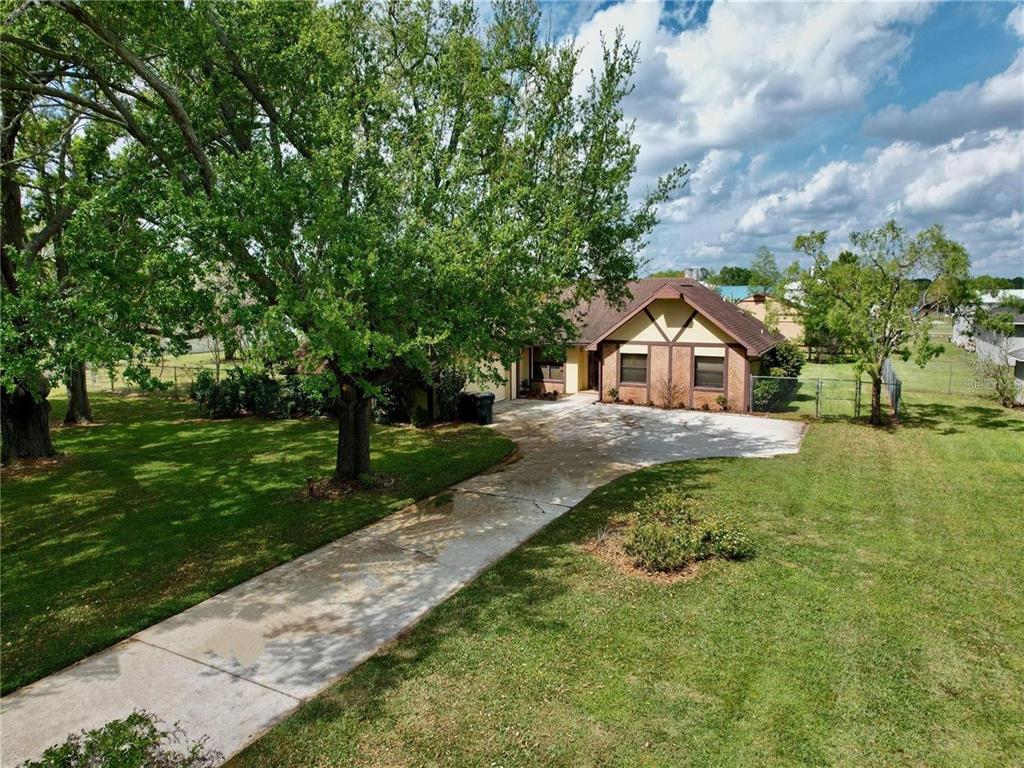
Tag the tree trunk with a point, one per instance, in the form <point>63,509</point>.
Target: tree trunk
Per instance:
<point>79,410</point>
<point>876,400</point>
<point>353,435</point>
<point>25,422</point>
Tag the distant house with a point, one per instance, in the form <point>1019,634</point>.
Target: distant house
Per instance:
<point>733,292</point>
<point>780,314</point>
<point>675,343</point>
<point>1008,350</point>
<point>963,327</point>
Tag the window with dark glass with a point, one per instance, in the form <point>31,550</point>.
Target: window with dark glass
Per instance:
<point>709,372</point>
<point>632,368</point>
<point>548,365</point>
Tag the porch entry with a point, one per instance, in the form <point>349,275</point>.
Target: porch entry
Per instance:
<point>593,373</point>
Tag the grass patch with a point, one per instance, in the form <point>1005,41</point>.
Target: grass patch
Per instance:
<point>155,510</point>
<point>881,623</point>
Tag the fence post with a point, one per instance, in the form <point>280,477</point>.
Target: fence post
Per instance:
<point>856,401</point>
<point>817,400</point>
<point>176,395</point>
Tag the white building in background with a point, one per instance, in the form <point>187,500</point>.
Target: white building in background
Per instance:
<point>963,327</point>
<point>996,347</point>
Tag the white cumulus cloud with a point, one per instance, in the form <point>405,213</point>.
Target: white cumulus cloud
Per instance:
<point>735,96</point>
<point>996,102</point>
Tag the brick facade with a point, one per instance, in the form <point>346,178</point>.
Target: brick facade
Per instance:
<point>671,378</point>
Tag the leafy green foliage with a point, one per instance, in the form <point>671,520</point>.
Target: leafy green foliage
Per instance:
<point>1003,379</point>
<point>784,359</point>
<point>385,185</point>
<point>733,276</point>
<point>243,392</point>
<point>449,388</point>
<point>138,741</point>
<point>673,529</point>
<point>771,394</point>
<point>765,275</point>
<point>868,299</point>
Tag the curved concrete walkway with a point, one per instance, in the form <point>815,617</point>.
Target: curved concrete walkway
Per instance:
<point>234,665</point>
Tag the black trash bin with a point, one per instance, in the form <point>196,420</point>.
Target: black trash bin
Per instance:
<point>478,407</point>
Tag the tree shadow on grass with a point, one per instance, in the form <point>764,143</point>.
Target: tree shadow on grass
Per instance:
<point>516,592</point>
<point>156,512</point>
<point>950,419</point>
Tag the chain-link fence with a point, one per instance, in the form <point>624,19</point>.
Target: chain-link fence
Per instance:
<point>808,396</point>
<point>892,384</point>
<point>175,380</point>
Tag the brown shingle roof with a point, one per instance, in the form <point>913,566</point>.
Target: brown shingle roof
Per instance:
<point>600,317</point>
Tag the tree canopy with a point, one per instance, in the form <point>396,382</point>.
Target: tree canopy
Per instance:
<point>868,298</point>
<point>379,186</point>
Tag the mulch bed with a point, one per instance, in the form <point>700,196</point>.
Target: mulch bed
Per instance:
<point>607,547</point>
<point>326,489</point>
<point>29,467</point>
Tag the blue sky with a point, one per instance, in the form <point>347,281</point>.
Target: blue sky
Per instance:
<point>795,116</point>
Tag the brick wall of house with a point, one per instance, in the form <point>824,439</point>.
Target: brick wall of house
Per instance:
<point>547,387</point>
<point>661,394</point>
<point>610,369</point>
<point>682,375</point>
<point>671,385</point>
<point>736,384</point>
<point>706,400</point>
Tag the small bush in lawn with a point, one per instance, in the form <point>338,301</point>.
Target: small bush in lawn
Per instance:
<point>655,545</point>
<point>137,741</point>
<point>721,537</point>
<point>667,505</point>
<point>673,529</point>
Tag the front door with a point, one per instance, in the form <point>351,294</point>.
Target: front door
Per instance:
<point>592,372</point>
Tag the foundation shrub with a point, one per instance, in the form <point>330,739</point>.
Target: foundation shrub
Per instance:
<point>243,392</point>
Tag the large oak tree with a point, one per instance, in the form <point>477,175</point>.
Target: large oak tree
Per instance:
<point>84,277</point>
<point>382,186</point>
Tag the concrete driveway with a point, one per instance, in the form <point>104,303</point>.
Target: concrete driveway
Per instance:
<point>232,666</point>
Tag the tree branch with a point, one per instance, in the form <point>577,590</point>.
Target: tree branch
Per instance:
<point>143,70</point>
<point>62,95</point>
<point>53,227</point>
<point>253,87</point>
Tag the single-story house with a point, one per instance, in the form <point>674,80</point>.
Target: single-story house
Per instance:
<point>784,314</point>
<point>675,343</point>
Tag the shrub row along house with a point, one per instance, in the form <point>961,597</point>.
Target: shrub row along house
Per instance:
<point>675,344</point>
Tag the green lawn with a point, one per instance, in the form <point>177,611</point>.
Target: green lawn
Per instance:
<point>880,624</point>
<point>155,510</point>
